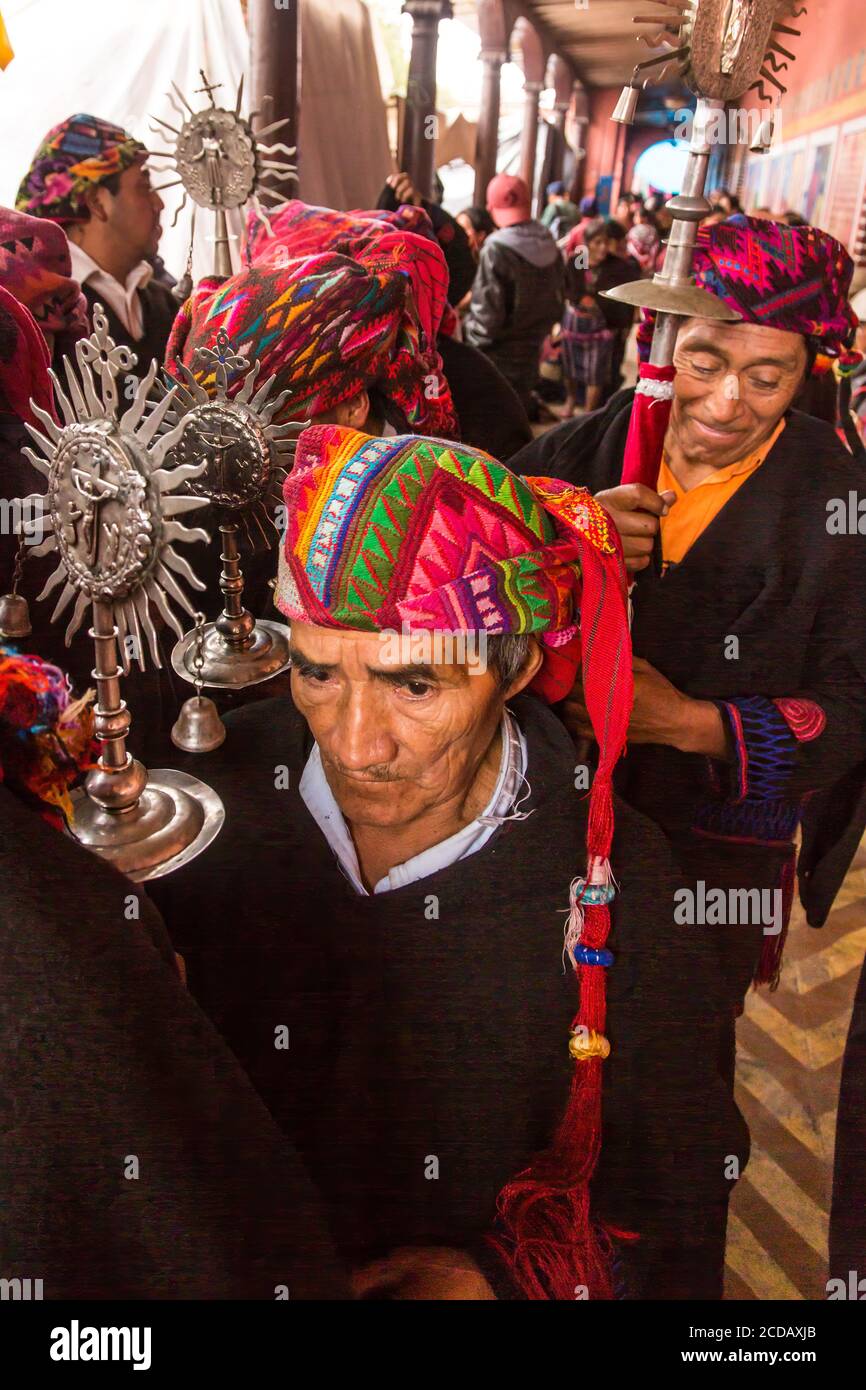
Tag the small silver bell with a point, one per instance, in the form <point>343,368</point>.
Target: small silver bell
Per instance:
<point>183,289</point>
<point>14,610</point>
<point>198,727</point>
<point>626,106</point>
<point>14,617</point>
<point>763,141</point>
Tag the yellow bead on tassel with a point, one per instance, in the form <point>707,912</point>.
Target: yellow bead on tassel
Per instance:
<point>586,1042</point>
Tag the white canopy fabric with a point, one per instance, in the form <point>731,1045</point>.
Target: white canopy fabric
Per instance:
<point>117,60</point>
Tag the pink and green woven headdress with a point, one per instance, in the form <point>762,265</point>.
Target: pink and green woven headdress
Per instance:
<point>441,537</point>
<point>75,156</point>
<point>401,242</point>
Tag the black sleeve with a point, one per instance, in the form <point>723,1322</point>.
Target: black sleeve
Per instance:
<point>488,310</point>
<point>458,253</point>
<point>136,1160</point>
<point>587,452</point>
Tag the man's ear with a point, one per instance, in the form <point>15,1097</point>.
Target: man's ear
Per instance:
<point>534,658</point>
<point>98,203</point>
<point>358,410</point>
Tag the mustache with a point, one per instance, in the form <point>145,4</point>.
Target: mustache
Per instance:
<point>377,773</point>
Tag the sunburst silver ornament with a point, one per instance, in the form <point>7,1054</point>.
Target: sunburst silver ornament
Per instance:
<point>721,48</point>
<point>111,506</point>
<point>247,461</point>
<point>110,510</point>
<point>223,164</point>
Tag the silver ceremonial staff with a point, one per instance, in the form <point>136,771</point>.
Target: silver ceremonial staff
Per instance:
<point>111,514</point>
<point>722,49</point>
<point>222,164</point>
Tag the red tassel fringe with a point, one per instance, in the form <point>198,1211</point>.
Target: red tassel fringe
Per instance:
<point>773,947</point>
<point>552,1247</point>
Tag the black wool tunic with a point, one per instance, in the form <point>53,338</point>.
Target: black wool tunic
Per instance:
<point>104,1059</point>
<point>427,1027</point>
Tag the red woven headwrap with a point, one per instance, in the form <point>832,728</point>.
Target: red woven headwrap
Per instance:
<point>333,303</point>
<point>402,241</point>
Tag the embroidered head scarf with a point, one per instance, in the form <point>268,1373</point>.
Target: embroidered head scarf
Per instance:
<point>74,156</point>
<point>439,537</point>
<point>793,278</point>
<point>36,269</point>
<point>404,242</point>
<point>24,362</point>
<point>327,326</point>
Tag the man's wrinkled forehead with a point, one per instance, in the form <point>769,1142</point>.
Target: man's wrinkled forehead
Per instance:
<point>375,655</point>
<point>747,344</point>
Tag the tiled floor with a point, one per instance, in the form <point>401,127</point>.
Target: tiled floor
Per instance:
<point>790,1047</point>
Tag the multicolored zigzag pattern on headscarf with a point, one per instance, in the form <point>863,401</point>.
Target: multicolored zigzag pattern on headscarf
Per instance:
<point>327,327</point>
<point>46,737</point>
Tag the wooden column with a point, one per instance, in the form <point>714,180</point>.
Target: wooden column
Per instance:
<point>620,147</point>
<point>529,137</point>
<point>417,156</point>
<point>275,51</point>
<point>487,139</point>
<point>560,112</point>
<point>580,126</point>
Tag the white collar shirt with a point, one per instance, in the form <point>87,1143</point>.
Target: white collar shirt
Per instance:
<point>125,300</point>
<point>320,802</point>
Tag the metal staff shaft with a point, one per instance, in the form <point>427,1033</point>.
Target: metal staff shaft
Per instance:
<point>222,255</point>
<point>234,624</point>
<point>687,208</point>
<point>111,717</point>
<point>672,293</point>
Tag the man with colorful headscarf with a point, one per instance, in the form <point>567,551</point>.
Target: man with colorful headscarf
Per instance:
<point>750,673</point>
<point>401,835</point>
<point>42,315</point>
<point>343,310</point>
<point>90,177</point>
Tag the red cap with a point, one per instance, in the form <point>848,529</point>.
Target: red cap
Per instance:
<point>508,200</point>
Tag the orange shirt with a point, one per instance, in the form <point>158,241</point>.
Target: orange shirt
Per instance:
<point>693,511</point>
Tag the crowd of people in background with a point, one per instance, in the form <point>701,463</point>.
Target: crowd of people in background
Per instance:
<point>554,334</point>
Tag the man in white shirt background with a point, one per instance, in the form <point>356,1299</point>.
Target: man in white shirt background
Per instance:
<point>91,177</point>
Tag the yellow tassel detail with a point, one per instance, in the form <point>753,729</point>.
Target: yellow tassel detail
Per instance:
<point>586,1042</point>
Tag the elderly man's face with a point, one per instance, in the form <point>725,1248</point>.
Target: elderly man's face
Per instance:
<point>734,382</point>
<point>396,740</point>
